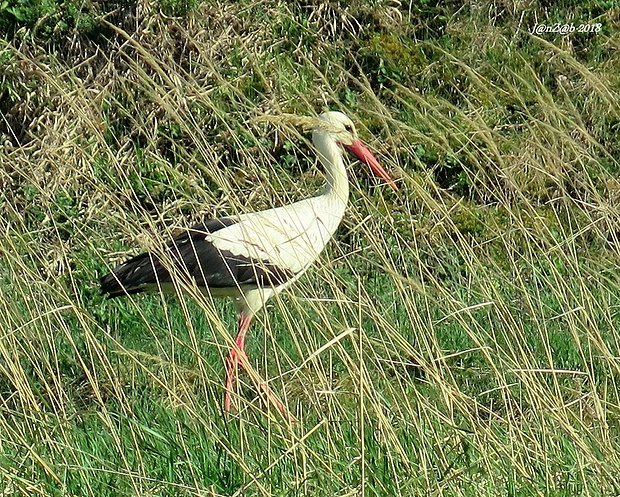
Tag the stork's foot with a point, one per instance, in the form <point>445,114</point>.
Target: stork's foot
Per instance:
<point>237,358</point>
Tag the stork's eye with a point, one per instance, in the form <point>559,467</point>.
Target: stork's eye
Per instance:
<point>349,128</point>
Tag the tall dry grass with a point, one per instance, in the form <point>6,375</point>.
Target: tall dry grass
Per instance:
<point>447,342</point>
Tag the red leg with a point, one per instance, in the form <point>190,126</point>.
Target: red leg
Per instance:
<point>235,356</point>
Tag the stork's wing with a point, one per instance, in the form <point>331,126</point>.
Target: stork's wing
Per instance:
<point>194,254</point>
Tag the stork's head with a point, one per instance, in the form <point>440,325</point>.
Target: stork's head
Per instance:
<point>341,129</point>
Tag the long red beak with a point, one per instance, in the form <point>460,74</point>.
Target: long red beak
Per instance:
<point>360,150</point>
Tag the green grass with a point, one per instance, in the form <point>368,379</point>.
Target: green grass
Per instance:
<point>458,337</point>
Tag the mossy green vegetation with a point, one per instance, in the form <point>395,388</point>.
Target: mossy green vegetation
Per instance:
<point>459,337</point>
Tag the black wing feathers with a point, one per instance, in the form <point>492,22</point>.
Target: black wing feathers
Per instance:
<point>197,258</point>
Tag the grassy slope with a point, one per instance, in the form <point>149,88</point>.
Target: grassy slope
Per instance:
<point>458,339</point>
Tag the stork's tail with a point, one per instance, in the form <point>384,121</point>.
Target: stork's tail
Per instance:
<point>130,277</point>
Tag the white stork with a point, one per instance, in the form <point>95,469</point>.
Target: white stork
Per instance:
<point>252,257</point>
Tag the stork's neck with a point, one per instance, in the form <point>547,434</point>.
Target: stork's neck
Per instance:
<point>330,155</point>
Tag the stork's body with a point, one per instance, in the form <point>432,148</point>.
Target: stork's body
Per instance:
<point>254,256</point>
